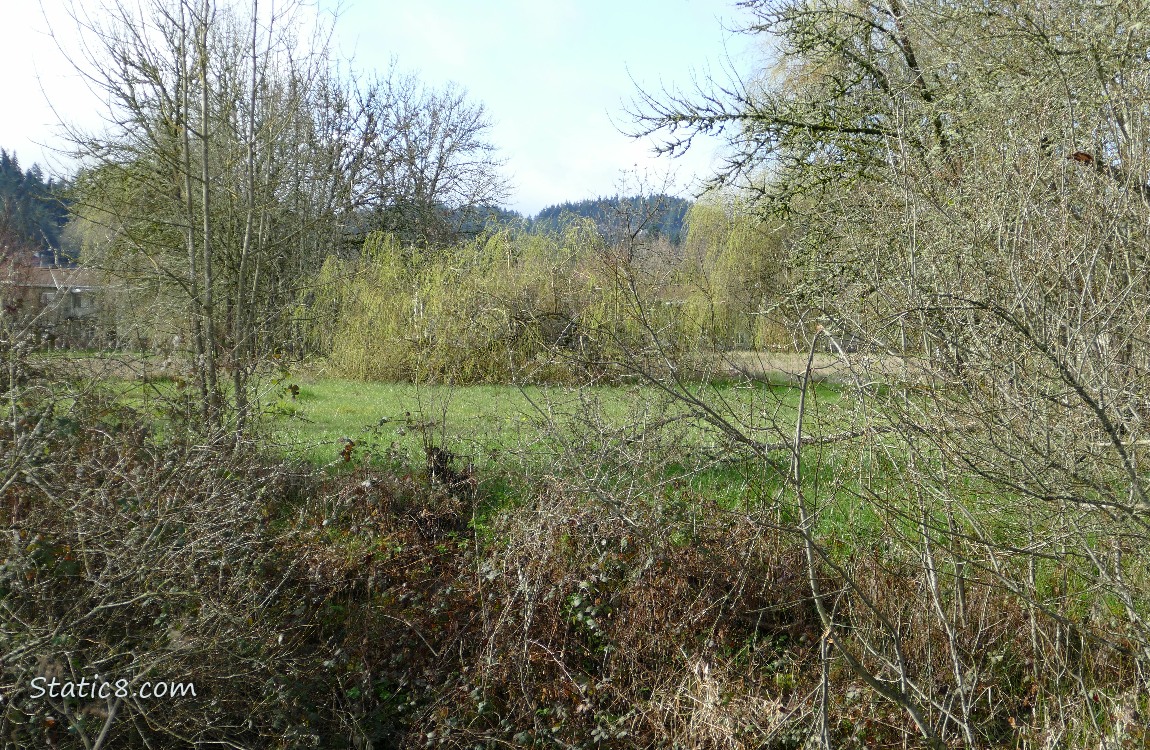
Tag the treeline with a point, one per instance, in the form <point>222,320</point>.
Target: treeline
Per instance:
<point>616,217</point>
<point>33,209</point>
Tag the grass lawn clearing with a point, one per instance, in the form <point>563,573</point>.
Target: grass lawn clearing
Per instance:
<point>516,435</point>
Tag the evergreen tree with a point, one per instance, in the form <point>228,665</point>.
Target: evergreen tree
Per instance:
<point>33,209</point>
<point>653,216</point>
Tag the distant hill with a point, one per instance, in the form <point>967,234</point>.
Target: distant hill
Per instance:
<point>480,218</point>
<point>658,216</point>
<point>32,209</point>
<point>616,217</point>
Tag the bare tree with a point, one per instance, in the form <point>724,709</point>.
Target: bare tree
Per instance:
<point>430,169</point>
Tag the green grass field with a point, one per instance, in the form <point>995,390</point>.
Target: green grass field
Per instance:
<point>514,437</point>
<point>401,418</point>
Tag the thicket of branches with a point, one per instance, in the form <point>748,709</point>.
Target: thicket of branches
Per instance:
<point>967,191</point>
<point>610,608</point>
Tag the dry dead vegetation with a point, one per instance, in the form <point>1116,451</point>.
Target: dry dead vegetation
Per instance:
<point>369,610</point>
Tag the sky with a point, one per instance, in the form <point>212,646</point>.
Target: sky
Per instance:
<point>555,76</point>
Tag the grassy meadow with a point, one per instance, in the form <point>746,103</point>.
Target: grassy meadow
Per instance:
<point>645,440</point>
<point>508,437</point>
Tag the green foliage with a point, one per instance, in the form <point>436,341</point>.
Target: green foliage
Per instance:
<point>506,307</point>
<point>399,314</point>
<point>739,277</point>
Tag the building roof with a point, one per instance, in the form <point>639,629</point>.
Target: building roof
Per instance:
<point>57,279</point>
<point>77,279</point>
